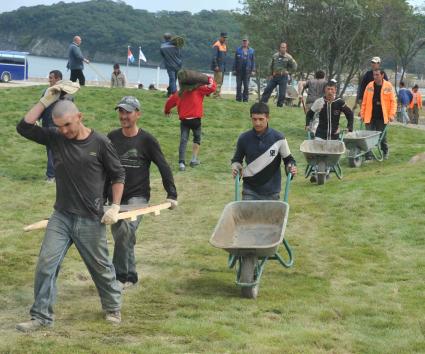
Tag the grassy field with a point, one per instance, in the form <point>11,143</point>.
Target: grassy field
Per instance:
<point>358,281</point>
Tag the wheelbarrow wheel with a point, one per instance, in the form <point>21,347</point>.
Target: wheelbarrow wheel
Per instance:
<point>248,264</point>
<point>321,173</point>
<point>354,160</point>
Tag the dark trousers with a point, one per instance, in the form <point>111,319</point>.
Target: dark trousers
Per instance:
<point>78,75</point>
<point>172,77</point>
<point>242,79</point>
<point>379,125</point>
<point>281,81</point>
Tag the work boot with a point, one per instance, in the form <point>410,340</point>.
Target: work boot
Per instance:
<point>30,326</point>
<point>182,166</point>
<point>313,179</point>
<point>194,163</point>
<point>113,316</point>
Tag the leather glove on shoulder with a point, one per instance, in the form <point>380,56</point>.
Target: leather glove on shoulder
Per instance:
<point>173,202</point>
<point>111,215</point>
<point>50,96</point>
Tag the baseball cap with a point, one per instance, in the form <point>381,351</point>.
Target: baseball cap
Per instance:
<point>129,103</point>
<point>376,60</point>
<point>223,34</point>
<point>245,38</point>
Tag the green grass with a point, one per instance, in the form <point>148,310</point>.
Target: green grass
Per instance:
<point>358,281</point>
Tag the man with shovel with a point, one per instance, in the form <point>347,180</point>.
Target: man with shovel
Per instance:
<point>82,158</point>
<point>137,149</point>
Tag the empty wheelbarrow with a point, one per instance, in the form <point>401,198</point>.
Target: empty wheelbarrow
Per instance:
<point>322,158</point>
<point>361,142</point>
<point>251,232</point>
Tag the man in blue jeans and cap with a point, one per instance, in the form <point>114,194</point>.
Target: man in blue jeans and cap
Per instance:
<point>137,149</point>
<point>82,159</point>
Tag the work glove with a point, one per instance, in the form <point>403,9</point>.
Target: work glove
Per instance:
<point>50,96</point>
<point>236,167</point>
<point>111,215</point>
<point>67,86</point>
<point>173,202</point>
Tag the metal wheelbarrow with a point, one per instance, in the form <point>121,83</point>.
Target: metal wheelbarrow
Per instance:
<point>322,158</point>
<point>361,142</point>
<point>251,232</point>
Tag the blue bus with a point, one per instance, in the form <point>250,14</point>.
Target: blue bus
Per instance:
<point>13,65</point>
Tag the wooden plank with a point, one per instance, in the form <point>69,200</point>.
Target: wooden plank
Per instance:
<point>126,215</point>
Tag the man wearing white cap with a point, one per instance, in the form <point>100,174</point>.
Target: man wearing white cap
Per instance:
<point>375,64</point>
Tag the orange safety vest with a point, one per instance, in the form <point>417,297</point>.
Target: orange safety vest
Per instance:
<point>418,100</point>
<point>388,102</point>
<point>222,47</point>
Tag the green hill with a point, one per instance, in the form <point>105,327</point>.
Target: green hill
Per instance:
<point>108,27</point>
<point>359,249</point>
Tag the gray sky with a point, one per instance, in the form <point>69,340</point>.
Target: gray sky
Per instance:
<point>152,6</point>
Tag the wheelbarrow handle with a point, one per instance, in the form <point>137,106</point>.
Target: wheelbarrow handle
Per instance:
<point>237,187</point>
<point>287,185</point>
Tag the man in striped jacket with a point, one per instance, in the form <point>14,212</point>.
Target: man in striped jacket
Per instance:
<point>263,148</point>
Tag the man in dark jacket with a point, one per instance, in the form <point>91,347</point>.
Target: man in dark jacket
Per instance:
<point>76,61</point>
<point>172,57</point>
<point>218,64</point>
<point>243,68</point>
<point>329,109</point>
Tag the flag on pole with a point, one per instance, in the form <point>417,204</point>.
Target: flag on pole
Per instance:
<point>130,57</point>
<point>141,55</point>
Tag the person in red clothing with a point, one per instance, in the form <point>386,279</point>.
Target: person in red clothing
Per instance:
<point>189,103</point>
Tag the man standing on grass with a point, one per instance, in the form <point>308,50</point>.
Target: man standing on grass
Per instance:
<point>137,149</point>
<point>218,64</point>
<point>243,68</point>
<point>76,61</point>
<point>263,148</point>
<point>378,107</point>
<point>83,158</point>
<point>281,65</point>
<point>171,54</point>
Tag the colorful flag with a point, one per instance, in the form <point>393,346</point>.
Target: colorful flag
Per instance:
<point>130,56</point>
<point>141,55</point>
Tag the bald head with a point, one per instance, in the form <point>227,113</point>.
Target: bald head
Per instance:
<point>64,107</point>
<point>77,40</point>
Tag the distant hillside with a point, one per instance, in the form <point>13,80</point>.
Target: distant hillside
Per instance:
<point>108,27</point>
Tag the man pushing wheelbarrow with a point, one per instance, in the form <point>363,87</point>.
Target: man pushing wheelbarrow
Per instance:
<point>252,230</point>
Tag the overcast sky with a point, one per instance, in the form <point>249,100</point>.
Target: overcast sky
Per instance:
<point>152,6</point>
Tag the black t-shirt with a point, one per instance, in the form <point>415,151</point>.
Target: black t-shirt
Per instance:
<point>81,167</point>
<point>136,154</point>
<point>377,107</point>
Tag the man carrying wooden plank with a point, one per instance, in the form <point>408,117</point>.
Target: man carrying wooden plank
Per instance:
<point>82,159</point>
<point>137,149</point>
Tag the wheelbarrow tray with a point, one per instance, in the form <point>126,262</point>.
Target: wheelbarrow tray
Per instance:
<point>251,227</point>
<point>363,140</point>
<point>328,151</point>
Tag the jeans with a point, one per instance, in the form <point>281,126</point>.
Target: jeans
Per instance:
<point>404,115</point>
<point>185,127</point>
<point>89,237</point>
<point>50,170</point>
<point>379,125</point>
<point>281,81</point>
<point>414,114</point>
<point>78,75</point>
<point>242,79</point>
<point>124,233</point>
<point>248,194</point>
<point>172,77</point>
<point>218,78</point>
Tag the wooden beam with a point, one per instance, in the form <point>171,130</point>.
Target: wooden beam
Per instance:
<point>126,215</point>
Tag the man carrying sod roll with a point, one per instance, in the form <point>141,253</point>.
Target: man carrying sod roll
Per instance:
<point>137,149</point>
<point>82,159</point>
